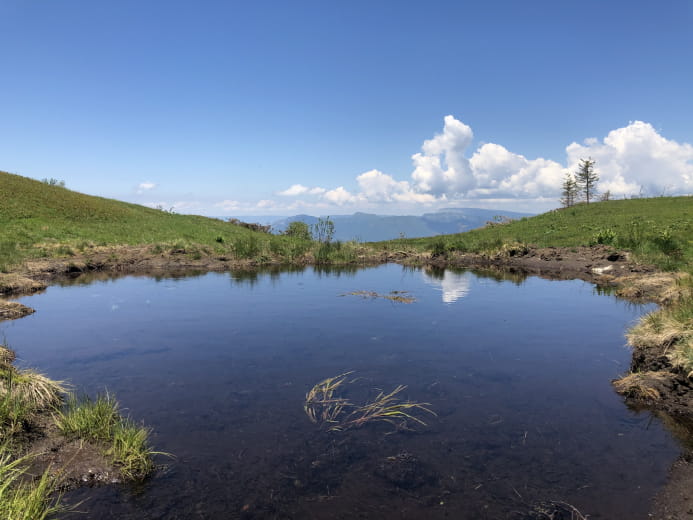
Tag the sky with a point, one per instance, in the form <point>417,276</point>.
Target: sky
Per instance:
<point>389,107</point>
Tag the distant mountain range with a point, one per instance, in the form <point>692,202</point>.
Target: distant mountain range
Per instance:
<point>367,227</point>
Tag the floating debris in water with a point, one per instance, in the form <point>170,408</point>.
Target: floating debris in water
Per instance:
<point>324,407</point>
<point>394,296</point>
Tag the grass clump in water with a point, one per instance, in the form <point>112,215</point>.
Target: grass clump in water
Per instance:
<point>393,296</point>
<point>100,420</point>
<point>323,406</point>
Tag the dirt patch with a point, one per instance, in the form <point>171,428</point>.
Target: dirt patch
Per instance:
<point>654,384</point>
<point>675,500</point>
<point>74,462</point>
<point>13,310</point>
<point>599,264</point>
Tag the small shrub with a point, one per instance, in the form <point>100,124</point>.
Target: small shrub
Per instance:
<point>248,247</point>
<point>604,236</point>
<point>299,230</point>
<point>666,243</point>
<point>439,249</point>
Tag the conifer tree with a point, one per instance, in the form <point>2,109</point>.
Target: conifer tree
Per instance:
<point>570,191</point>
<point>586,179</point>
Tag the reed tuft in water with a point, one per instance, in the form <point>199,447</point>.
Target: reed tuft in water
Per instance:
<point>325,407</point>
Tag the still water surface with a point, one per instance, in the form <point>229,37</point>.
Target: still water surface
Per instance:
<point>219,364</point>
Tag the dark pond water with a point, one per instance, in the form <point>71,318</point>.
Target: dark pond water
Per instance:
<point>219,364</point>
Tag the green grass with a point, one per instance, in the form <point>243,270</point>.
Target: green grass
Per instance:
<point>657,230</point>
<point>99,420</point>
<point>39,220</point>
<point>22,498</point>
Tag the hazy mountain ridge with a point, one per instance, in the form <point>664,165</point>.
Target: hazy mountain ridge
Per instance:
<point>368,227</point>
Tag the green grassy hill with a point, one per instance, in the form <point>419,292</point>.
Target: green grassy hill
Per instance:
<point>38,220</point>
<point>658,230</point>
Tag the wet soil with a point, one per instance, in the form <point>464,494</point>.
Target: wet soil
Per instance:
<point>73,462</point>
<point>675,501</point>
<point>602,265</point>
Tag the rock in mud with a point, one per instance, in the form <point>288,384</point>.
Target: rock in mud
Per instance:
<point>405,471</point>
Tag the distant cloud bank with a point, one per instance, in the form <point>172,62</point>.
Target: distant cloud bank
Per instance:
<point>631,160</point>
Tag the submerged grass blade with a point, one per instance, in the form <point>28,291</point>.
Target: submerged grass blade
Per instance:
<point>325,408</point>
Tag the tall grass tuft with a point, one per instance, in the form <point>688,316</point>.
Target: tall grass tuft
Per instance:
<point>89,419</point>
<point>100,420</point>
<point>130,449</point>
<point>22,498</point>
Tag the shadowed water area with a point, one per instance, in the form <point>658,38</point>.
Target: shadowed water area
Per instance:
<point>517,371</point>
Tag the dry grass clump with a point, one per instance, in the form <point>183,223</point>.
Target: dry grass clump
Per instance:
<point>393,296</point>
<point>323,406</point>
<point>36,390</point>
<point>14,283</point>
<point>664,288</point>
<point>656,329</point>
<point>7,356</point>
<point>13,310</point>
<point>23,394</point>
<point>642,385</point>
<point>670,329</point>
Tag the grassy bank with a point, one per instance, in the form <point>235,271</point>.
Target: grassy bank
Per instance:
<point>658,231</point>
<point>39,220</point>
<point>30,402</point>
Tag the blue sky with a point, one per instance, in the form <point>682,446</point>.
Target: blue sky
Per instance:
<point>220,107</point>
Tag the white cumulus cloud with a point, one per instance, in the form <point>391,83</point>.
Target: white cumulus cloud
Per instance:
<point>441,167</point>
<point>293,190</point>
<point>630,160</point>
<point>637,159</point>
<point>377,186</point>
<point>339,196</point>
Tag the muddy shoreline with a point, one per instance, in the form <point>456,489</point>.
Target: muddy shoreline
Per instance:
<point>609,270</point>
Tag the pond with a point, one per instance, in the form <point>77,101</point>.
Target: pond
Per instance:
<point>517,372</point>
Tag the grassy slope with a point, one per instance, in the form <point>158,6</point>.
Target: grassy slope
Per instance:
<point>32,212</point>
<point>39,220</point>
<point>658,230</point>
